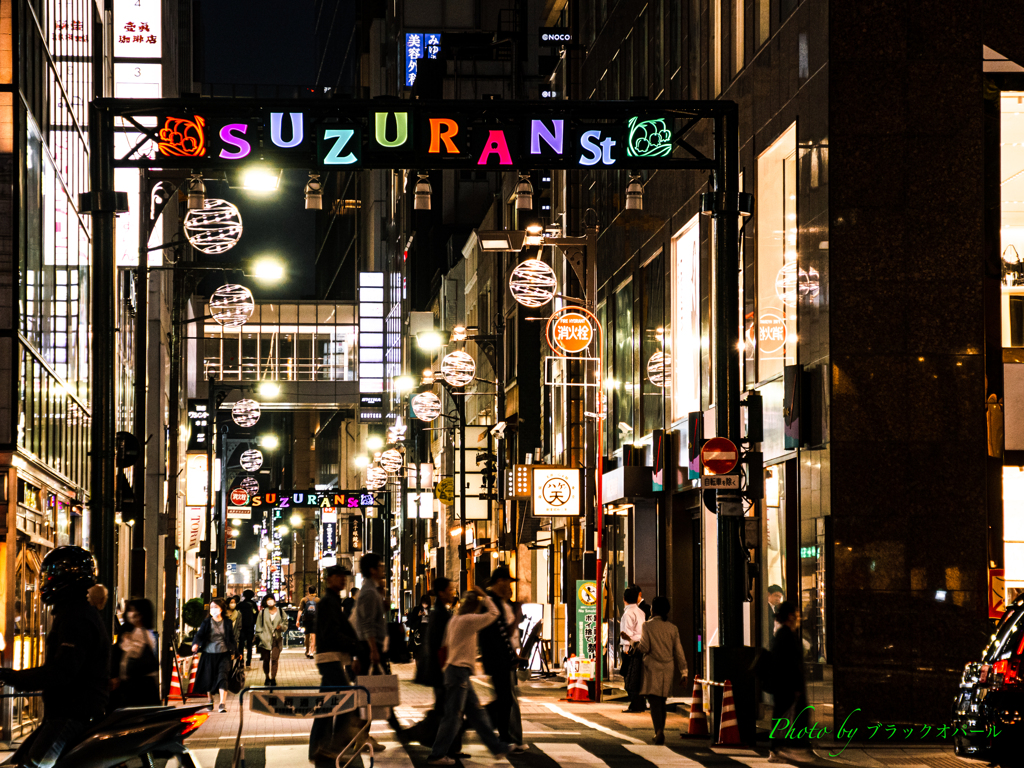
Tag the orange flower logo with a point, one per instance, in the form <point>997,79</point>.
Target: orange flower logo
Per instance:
<point>183,138</point>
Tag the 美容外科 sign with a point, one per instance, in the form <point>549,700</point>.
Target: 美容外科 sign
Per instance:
<point>514,135</point>
<point>321,499</point>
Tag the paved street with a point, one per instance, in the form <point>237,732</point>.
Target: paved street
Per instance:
<point>559,733</point>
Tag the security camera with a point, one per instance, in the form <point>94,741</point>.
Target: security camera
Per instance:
<point>498,430</point>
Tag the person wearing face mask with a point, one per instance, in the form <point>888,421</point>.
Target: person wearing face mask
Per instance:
<point>270,628</point>
<point>236,622</point>
<point>216,638</point>
<point>134,665</point>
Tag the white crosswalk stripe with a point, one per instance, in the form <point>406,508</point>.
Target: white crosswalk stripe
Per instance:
<point>205,758</point>
<point>662,756</point>
<point>569,755</point>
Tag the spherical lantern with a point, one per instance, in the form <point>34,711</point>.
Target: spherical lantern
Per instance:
<point>532,283</point>
<point>458,368</point>
<point>245,412</point>
<point>391,460</point>
<point>251,460</point>
<point>214,228</point>
<point>376,478</point>
<point>657,368</point>
<point>232,305</point>
<point>426,406</point>
<point>250,485</point>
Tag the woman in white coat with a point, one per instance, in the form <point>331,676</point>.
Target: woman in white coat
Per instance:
<point>663,653</point>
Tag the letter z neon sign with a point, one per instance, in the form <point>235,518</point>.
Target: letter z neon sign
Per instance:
<point>342,139</point>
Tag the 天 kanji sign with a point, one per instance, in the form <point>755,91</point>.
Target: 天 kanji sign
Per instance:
<point>556,492</point>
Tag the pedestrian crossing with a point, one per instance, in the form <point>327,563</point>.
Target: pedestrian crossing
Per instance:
<point>541,754</point>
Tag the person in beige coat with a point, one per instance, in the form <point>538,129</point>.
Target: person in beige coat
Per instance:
<point>663,653</point>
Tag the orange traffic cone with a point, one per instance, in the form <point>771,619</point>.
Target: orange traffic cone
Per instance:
<point>175,693</point>
<point>729,730</point>
<point>193,668</point>
<point>578,690</point>
<point>698,720</point>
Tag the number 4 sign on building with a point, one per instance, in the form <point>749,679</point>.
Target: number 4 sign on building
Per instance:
<point>137,32</point>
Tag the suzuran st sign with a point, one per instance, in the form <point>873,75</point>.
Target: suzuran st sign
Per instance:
<point>521,135</point>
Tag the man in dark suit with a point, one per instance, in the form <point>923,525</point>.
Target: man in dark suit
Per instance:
<point>499,652</point>
<point>642,604</point>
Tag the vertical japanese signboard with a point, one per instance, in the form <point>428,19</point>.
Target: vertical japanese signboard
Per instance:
<point>586,619</point>
<point>419,45</point>
<point>137,32</point>
<point>328,537</point>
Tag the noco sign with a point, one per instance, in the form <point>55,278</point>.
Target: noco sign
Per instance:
<point>317,133</point>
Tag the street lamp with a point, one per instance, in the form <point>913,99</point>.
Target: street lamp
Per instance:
<point>296,520</point>
<point>260,179</point>
<point>268,270</point>
<point>270,442</point>
<point>404,384</point>
<point>268,389</point>
<point>374,442</point>
<point>429,341</point>
<point>361,462</point>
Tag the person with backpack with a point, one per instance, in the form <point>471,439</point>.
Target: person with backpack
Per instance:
<point>307,620</point>
<point>337,644</point>
<point>248,609</point>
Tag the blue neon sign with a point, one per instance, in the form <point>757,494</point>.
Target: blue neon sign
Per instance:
<point>419,45</point>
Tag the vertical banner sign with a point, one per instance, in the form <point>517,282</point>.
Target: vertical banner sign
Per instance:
<point>355,534</point>
<point>328,537</point>
<point>586,619</point>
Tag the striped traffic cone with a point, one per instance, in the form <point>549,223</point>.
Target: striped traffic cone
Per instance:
<point>578,690</point>
<point>729,730</point>
<point>175,693</point>
<point>698,720</point>
<point>194,667</point>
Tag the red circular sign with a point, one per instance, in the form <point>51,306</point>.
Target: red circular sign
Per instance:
<point>719,456</point>
<point>571,332</point>
<point>239,497</point>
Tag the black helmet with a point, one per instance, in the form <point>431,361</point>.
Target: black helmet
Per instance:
<point>65,571</point>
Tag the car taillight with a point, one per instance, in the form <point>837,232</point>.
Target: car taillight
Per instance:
<point>193,721</point>
<point>1011,678</point>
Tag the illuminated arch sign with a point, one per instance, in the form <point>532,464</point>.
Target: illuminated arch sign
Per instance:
<point>477,135</point>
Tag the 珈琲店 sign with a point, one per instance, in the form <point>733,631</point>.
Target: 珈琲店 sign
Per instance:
<point>317,499</point>
<point>494,134</point>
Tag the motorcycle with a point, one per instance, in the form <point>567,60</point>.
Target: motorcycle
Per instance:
<point>144,732</point>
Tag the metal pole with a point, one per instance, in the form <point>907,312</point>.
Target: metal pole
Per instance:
<point>727,367</point>
<point>103,346</point>
<point>172,573</point>
<point>211,407</point>
<point>138,534</point>
<point>222,517</point>
<point>460,403</point>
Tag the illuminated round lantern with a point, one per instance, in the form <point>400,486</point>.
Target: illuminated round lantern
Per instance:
<point>251,460</point>
<point>458,368</point>
<point>532,283</point>
<point>426,406</point>
<point>250,485</point>
<point>245,412</point>
<point>232,305</point>
<point>657,368</point>
<point>214,228</point>
<point>391,460</point>
<point>376,478</point>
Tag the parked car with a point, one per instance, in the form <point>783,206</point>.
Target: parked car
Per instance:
<point>988,713</point>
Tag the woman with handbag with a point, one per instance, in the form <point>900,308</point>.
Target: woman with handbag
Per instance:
<point>216,637</point>
<point>663,652</point>
<point>271,625</point>
<point>134,662</point>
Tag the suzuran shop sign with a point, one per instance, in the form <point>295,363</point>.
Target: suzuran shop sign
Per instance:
<point>317,499</point>
<point>314,133</point>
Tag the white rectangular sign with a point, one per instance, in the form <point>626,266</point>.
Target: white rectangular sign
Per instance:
<point>239,513</point>
<point>137,33</point>
<point>556,492</point>
<point>729,482</point>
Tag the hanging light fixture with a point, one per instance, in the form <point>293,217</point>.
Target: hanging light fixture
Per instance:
<point>231,305</point>
<point>251,460</point>
<point>245,412</point>
<point>426,406</point>
<point>524,193</point>
<point>376,478</point>
<point>532,283</point>
<point>421,193</point>
<point>458,368</point>
<point>658,368</point>
<point>196,192</point>
<point>635,193</point>
<point>214,228</point>
<point>250,485</point>
<point>314,193</point>
<point>391,460</point>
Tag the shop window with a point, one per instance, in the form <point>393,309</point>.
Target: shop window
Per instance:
<point>813,580</point>
<point>653,337</point>
<point>684,330</point>
<point>1011,176</point>
<point>774,335</point>
<point>762,21</point>
<point>774,548</point>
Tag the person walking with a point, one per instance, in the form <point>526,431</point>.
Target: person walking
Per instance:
<point>788,688</point>
<point>271,625</point>
<point>499,651</point>
<point>134,662</point>
<point>663,651</point>
<point>336,642</point>
<point>216,638</point>
<point>307,620</point>
<point>629,634</point>
<point>349,603</point>
<point>476,612</point>
<point>641,603</point>
<point>248,609</point>
<point>370,625</point>
<point>236,622</point>
<point>74,677</point>
<point>447,595</point>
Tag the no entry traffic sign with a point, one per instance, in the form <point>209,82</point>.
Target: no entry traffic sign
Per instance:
<point>719,456</point>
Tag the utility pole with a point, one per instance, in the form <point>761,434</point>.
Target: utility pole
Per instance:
<point>460,406</point>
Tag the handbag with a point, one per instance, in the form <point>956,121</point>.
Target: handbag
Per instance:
<point>384,691</point>
<point>236,681</point>
<point>634,680</point>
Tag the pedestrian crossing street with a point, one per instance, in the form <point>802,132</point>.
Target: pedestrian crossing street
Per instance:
<point>541,754</point>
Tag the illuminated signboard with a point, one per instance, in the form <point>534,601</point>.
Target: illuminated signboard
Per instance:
<point>137,29</point>
<point>318,499</point>
<point>419,45</point>
<point>423,134</point>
